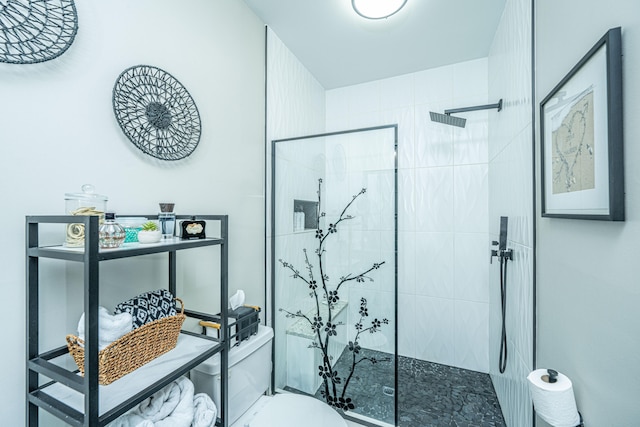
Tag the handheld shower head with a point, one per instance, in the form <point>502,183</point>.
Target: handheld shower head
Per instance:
<point>450,120</point>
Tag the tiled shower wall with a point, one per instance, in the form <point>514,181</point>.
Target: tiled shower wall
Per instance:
<point>295,107</point>
<point>511,194</point>
<point>443,206</point>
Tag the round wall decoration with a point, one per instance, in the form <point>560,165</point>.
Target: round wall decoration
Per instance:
<point>33,31</point>
<point>156,112</point>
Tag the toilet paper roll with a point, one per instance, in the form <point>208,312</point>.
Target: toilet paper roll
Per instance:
<point>553,402</point>
<point>236,300</point>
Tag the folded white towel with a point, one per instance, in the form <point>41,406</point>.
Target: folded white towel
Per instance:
<point>205,411</point>
<point>110,326</point>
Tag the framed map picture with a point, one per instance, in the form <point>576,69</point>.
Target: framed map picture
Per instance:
<point>581,138</point>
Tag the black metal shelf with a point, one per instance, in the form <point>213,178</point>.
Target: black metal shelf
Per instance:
<point>126,251</point>
<point>79,400</point>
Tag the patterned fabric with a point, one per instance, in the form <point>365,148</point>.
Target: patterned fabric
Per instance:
<point>148,307</point>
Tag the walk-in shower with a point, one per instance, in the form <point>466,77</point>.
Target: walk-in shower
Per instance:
<point>334,268</point>
<point>334,275</point>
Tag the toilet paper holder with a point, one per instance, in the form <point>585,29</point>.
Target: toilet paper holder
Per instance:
<point>552,377</point>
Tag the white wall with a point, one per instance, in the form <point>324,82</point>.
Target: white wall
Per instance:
<point>442,217</point>
<point>59,132</point>
<point>511,195</point>
<point>587,275</point>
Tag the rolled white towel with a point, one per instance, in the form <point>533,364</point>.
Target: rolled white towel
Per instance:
<point>110,326</point>
<point>170,407</point>
<point>205,411</point>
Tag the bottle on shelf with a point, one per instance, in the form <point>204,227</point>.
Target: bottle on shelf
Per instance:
<point>111,234</point>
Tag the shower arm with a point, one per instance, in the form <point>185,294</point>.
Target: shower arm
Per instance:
<point>497,105</point>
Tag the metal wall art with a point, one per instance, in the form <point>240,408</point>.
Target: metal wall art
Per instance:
<point>33,31</point>
<point>156,112</point>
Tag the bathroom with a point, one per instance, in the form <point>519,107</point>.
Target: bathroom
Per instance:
<point>58,128</point>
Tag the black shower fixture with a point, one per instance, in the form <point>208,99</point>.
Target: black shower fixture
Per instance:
<point>448,119</point>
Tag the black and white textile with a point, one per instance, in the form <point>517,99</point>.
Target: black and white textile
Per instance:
<point>150,306</point>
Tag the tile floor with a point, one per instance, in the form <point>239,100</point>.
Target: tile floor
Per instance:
<point>430,394</point>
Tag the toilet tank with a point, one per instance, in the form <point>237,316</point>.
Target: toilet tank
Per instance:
<point>249,373</point>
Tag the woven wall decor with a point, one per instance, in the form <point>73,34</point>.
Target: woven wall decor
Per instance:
<point>33,31</point>
<point>156,112</point>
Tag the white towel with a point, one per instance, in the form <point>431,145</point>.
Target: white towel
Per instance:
<point>110,327</point>
<point>205,411</point>
<point>173,406</point>
<point>170,407</point>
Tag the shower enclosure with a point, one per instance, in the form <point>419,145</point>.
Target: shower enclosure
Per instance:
<point>334,269</point>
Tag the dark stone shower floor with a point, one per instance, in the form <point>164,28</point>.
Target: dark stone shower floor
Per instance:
<point>429,395</point>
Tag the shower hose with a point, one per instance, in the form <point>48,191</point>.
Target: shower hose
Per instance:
<point>503,300</point>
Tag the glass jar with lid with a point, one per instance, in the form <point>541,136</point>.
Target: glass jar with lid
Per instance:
<point>87,202</point>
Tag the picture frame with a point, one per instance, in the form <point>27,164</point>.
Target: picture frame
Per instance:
<point>581,138</point>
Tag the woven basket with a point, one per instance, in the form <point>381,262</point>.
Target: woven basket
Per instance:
<point>132,350</point>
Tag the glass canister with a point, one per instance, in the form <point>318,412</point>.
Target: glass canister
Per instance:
<point>84,203</point>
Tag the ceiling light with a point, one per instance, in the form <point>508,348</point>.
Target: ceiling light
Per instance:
<point>377,9</point>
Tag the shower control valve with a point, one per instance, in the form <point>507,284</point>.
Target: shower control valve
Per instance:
<point>500,253</point>
<point>494,252</point>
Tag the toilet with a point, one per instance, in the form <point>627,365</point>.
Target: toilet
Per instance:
<point>249,379</point>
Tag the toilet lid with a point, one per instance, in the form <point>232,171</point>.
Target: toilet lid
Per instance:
<point>295,410</point>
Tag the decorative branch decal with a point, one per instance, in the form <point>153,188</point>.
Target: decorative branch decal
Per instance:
<point>325,329</point>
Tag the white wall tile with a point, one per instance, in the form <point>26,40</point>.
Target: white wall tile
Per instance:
<point>471,267</point>
<point>434,85</point>
<point>470,144</point>
<point>433,141</point>
<point>407,263</point>
<point>434,328</point>
<point>404,118</point>
<point>471,189</point>
<point>470,80</point>
<point>406,200</point>
<point>471,335</point>
<point>434,199</point>
<point>397,92</point>
<point>510,156</point>
<point>434,264</point>
<point>406,318</point>
<point>364,98</point>
<point>443,249</point>
<point>337,116</point>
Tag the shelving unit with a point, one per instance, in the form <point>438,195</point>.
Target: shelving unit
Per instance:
<point>80,400</point>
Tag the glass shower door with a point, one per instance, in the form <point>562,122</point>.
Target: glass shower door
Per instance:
<point>333,272</point>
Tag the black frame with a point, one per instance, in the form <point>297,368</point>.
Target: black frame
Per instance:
<point>273,261</point>
<point>612,45</point>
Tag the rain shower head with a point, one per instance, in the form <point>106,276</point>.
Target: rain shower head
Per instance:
<point>450,120</point>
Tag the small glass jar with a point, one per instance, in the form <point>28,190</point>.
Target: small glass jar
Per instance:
<point>132,226</point>
<point>111,234</point>
<point>84,203</point>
